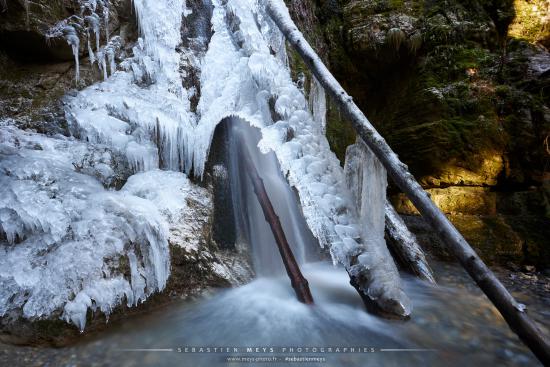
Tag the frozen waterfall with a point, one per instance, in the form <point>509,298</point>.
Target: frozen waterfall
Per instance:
<point>58,214</point>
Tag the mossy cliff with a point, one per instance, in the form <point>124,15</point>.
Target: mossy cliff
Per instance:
<point>461,91</point>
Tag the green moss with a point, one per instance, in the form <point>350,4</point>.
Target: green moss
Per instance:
<point>396,4</point>
<point>340,134</point>
<point>447,63</point>
<point>531,22</point>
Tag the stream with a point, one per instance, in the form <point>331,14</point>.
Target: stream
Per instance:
<point>454,325</point>
<point>262,323</point>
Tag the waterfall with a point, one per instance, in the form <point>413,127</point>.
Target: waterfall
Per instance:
<point>252,227</point>
<point>140,121</point>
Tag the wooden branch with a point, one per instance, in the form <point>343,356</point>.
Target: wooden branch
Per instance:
<point>514,313</point>
<point>297,280</point>
<point>405,247</point>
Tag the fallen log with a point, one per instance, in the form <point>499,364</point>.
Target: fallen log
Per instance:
<point>405,247</point>
<point>513,312</point>
<point>297,280</point>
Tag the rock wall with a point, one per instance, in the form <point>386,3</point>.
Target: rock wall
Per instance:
<point>36,70</point>
<point>460,90</point>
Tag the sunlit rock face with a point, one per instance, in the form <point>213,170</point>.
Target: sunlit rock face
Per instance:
<point>532,21</point>
<point>455,200</point>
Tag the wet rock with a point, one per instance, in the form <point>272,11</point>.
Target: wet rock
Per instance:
<point>37,71</point>
<point>28,23</point>
<point>454,200</point>
<point>374,25</point>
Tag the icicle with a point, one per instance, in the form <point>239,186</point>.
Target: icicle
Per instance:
<point>318,103</point>
<point>27,9</point>
<point>110,50</point>
<point>91,54</point>
<point>102,63</point>
<point>106,19</point>
<point>72,39</point>
<point>93,22</point>
<point>111,57</point>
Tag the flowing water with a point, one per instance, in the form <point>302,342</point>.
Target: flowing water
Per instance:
<point>454,324</point>
<point>252,227</point>
<point>451,325</point>
<point>262,323</point>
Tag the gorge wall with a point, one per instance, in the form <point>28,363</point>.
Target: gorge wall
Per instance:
<point>460,90</point>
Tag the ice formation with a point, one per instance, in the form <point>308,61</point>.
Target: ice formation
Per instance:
<point>86,23</point>
<point>143,111</point>
<point>55,215</point>
<point>173,193</point>
<point>240,81</point>
<point>318,103</point>
<point>367,181</point>
<point>408,247</point>
<point>55,212</point>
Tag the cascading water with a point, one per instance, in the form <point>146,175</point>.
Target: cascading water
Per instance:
<point>252,227</point>
<point>143,116</point>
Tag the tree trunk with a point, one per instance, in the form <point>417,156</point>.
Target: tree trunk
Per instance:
<point>514,313</point>
<point>297,280</point>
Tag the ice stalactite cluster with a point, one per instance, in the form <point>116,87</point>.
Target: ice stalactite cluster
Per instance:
<point>54,216</point>
<point>88,24</point>
<point>367,180</point>
<point>242,76</point>
<point>55,211</point>
<point>318,103</point>
<point>57,214</point>
<point>142,112</point>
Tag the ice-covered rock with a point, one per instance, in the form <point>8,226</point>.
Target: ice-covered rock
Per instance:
<point>53,217</point>
<point>56,213</point>
<point>114,247</point>
<point>367,180</point>
<point>241,81</point>
<point>142,112</point>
